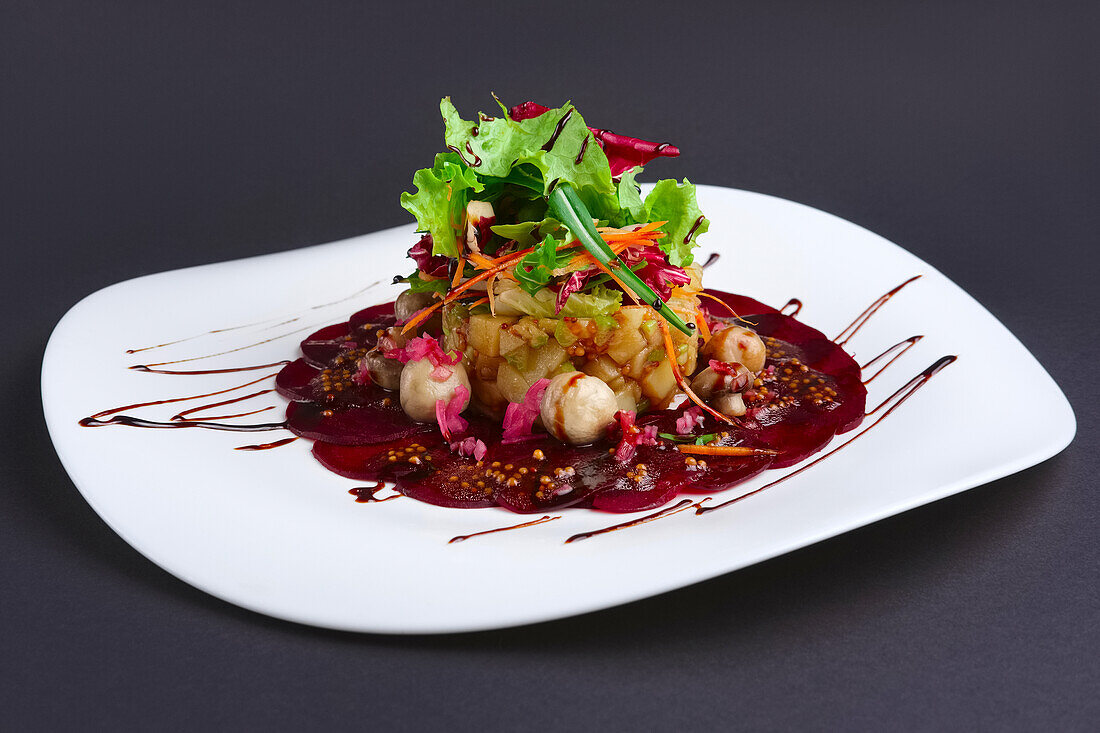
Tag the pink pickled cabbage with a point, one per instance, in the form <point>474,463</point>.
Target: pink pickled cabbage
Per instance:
<point>519,418</point>
<point>633,435</point>
<point>422,347</point>
<point>447,414</point>
<point>692,417</point>
<point>470,447</point>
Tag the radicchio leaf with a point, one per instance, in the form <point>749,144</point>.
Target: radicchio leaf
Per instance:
<point>623,153</point>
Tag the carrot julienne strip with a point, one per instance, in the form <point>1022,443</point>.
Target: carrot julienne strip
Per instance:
<point>458,273</point>
<point>722,302</point>
<point>701,323</point>
<point>725,450</point>
<point>670,351</point>
<point>489,295</point>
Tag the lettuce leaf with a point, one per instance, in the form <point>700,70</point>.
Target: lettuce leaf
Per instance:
<point>551,143</point>
<point>439,203</point>
<point>675,203</point>
<point>630,196</point>
<point>526,233</point>
<point>535,270</point>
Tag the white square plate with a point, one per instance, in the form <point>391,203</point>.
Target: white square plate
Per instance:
<point>275,532</point>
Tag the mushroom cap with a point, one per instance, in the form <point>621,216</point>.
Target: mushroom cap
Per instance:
<point>577,408</point>
<point>737,344</point>
<point>419,390</point>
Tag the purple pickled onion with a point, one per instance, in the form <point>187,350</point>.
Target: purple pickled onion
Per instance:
<point>519,417</point>
<point>426,262</point>
<point>623,153</point>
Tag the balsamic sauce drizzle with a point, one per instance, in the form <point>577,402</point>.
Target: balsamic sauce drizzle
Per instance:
<point>796,304</point>
<point>691,232</point>
<point>208,418</point>
<point>368,494</point>
<point>183,415</point>
<point>902,345</point>
<point>356,294</point>
<point>233,351</point>
<point>137,422</point>
<point>464,537</point>
<point>558,130</point>
<point>580,155</point>
<point>666,512</point>
<point>268,446</point>
<point>711,260</point>
<point>113,410</point>
<point>895,401</point>
<point>861,320</point>
<point>144,368</point>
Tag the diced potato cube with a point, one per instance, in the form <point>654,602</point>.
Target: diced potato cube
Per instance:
<point>510,340</point>
<point>483,334</point>
<point>630,317</point>
<point>511,384</point>
<point>625,344</point>
<point>659,384</point>
<point>544,361</point>
<point>489,395</point>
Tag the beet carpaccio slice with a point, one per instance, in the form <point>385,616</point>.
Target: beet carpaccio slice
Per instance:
<point>810,390</point>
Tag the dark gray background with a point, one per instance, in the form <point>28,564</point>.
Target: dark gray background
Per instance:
<point>139,137</point>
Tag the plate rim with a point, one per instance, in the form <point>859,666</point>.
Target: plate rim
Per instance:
<point>1056,443</point>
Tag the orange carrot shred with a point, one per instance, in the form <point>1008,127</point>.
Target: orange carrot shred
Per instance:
<point>670,351</point>
<point>489,295</point>
<point>725,450</point>
<point>723,303</point>
<point>458,273</point>
<point>420,317</point>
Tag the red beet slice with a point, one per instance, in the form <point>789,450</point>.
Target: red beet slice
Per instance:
<point>294,381</point>
<point>811,390</point>
<point>373,422</point>
<point>321,347</point>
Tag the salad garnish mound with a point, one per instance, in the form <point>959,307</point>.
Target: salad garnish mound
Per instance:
<point>554,344</point>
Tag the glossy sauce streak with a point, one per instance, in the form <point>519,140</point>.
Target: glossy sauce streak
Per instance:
<point>208,418</point>
<point>580,155</point>
<point>795,304</point>
<point>711,260</point>
<point>137,422</point>
<point>900,347</point>
<point>104,413</point>
<point>666,512</point>
<point>559,411</point>
<point>464,537</point>
<point>144,368</point>
<point>183,415</point>
<point>861,320</point>
<point>246,325</point>
<point>268,446</point>
<point>895,401</point>
<point>691,232</point>
<point>460,154</point>
<point>558,130</point>
<point>369,494</point>
<point>240,348</point>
